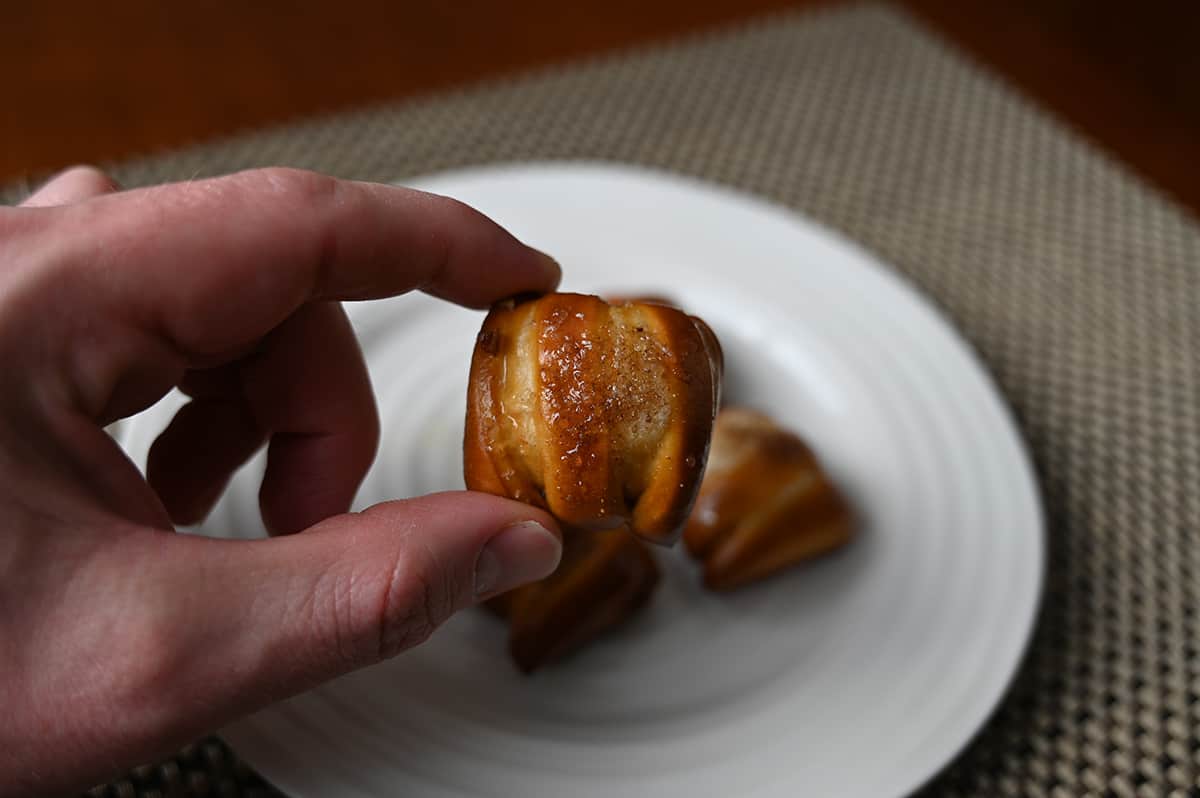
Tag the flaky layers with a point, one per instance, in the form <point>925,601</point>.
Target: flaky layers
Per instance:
<point>604,578</point>
<point>600,413</point>
<point>765,505</point>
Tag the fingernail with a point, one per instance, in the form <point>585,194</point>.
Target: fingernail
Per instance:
<point>520,553</point>
<point>550,264</point>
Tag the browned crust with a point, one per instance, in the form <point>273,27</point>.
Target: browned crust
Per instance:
<point>577,458</point>
<point>604,578</point>
<point>694,370</point>
<point>478,466</point>
<point>807,527</point>
<point>488,466</point>
<point>570,468</point>
<point>768,507</point>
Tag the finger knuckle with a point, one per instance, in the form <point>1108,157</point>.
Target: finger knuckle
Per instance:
<point>461,212</point>
<point>459,216</point>
<point>416,596</point>
<point>88,178</point>
<point>293,185</point>
<point>148,657</point>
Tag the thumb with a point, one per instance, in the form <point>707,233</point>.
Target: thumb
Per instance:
<point>375,583</point>
<point>265,619</point>
<point>359,588</point>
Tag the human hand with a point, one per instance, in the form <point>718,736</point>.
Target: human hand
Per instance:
<point>119,640</point>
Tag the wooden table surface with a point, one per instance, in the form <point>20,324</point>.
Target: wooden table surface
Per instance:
<point>89,81</point>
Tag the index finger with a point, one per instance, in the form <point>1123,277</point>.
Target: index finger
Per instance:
<point>215,264</point>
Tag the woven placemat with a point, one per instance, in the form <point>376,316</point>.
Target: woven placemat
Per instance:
<point>1077,284</point>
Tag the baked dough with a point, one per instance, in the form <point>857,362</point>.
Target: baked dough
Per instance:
<point>603,579</point>
<point>765,503</point>
<point>600,413</point>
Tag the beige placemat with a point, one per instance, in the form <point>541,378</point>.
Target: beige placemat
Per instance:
<point>1076,282</point>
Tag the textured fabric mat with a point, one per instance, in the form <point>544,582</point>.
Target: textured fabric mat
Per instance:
<point>1077,283</point>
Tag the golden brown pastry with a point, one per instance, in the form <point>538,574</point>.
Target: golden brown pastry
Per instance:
<point>600,413</point>
<point>645,299</point>
<point>765,503</point>
<point>604,577</point>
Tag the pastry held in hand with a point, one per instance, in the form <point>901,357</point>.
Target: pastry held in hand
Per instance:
<point>600,413</point>
<point>604,577</point>
<point>765,503</point>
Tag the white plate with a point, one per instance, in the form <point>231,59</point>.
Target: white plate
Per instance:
<point>858,675</point>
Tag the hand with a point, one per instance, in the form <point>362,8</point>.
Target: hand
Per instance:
<point>120,640</point>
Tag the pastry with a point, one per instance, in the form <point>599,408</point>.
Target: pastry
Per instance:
<point>600,413</point>
<point>765,503</point>
<point>604,577</point>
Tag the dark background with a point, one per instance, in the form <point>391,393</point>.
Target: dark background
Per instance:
<point>88,81</point>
